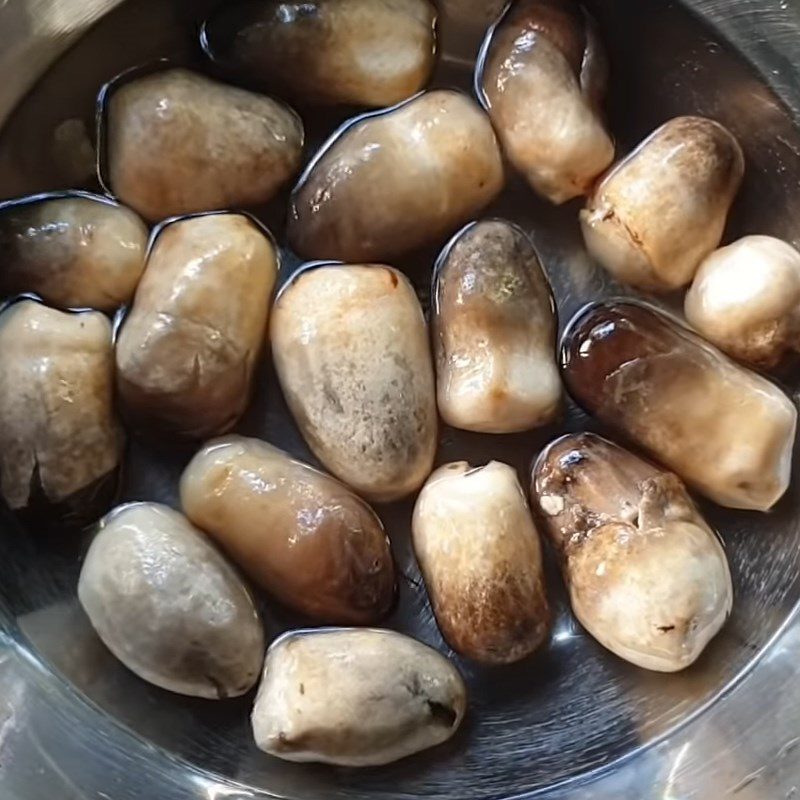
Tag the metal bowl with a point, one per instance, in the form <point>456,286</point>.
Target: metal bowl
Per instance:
<point>571,722</point>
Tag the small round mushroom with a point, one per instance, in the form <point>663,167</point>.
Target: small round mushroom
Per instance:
<point>298,533</point>
<point>494,331</point>
<point>481,559</point>
<point>746,300</point>
<point>394,180</point>
<point>60,441</point>
<point>355,698</point>
<point>542,76</point>
<point>355,52</point>
<point>169,606</point>
<point>647,576</point>
<point>176,142</point>
<point>352,353</point>
<point>189,346</point>
<point>725,430</point>
<point>73,249</point>
<point>659,212</point>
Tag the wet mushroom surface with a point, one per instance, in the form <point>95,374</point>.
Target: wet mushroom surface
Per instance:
<point>327,52</point>
<point>580,707</point>
<point>176,142</point>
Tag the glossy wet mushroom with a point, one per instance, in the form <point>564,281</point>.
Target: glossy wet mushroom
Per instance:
<point>658,213</point>
<point>647,576</point>
<point>371,53</point>
<point>72,249</point>
<point>745,299</point>
<point>494,331</point>
<point>352,353</point>
<point>355,698</point>
<point>394,180</point>
<point>169,606</point>
<point>60,441</point>
<point>725,430</point>
<point>175,142</point>
<point>542,76</point>
<point>479,553</point>
<point>297,532</point>
<point>188,348</point>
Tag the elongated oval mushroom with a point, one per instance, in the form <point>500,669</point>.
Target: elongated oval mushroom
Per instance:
<point>188,349</point>
<point>542,76</point>
<point>659,212</point>
<point>355,698</point>
<point>73,249</point>
<point>169,606</point>
<point>481,559</point>
<point>394,180</point>
<point>298,533</point>
<point>353,52</point>
<point>60,441</point>
<point>351,350</point>
<point>176,142</point>
<point>647,576</point>
<point>725,430</point>
<point>746,300</point>
<point>494,330</point>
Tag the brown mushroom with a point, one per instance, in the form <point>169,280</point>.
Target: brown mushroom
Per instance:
<point>298,533</point>
<point>542,76</point>
<point>391,181</point>
<point>481,559</point>
<point>726,430</point>
<point>647,576</point>
<point>494,330</point>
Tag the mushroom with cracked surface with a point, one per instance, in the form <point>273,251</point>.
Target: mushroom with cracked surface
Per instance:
<point>542,76</point>
<point>298,533</point>
<point>494,330</point>
<point>188,349</point>
<point>658,213</point>
<point>724,429</point>
<point>479,553</point>
<point>355,698</point>
<point>168,605</point>
<point>746,300</point>
<point>646,575</point>
<point>60,441</point>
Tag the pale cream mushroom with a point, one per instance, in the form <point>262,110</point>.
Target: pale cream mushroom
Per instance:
<point>725,430</point>
<point>542,76</point>
<point>481,559</point>
<point>494,329</point>
<point>60,441</point>
<point>746,300</point>
<point>392,181</point>
<point>355,698</point>
<point>168,605</point>
<point>647,576</point>
<point>352,353</point>
<point>177,143</point>
<point>659,212</point>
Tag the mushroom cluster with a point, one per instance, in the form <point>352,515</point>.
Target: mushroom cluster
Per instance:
<point>153,311</point>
